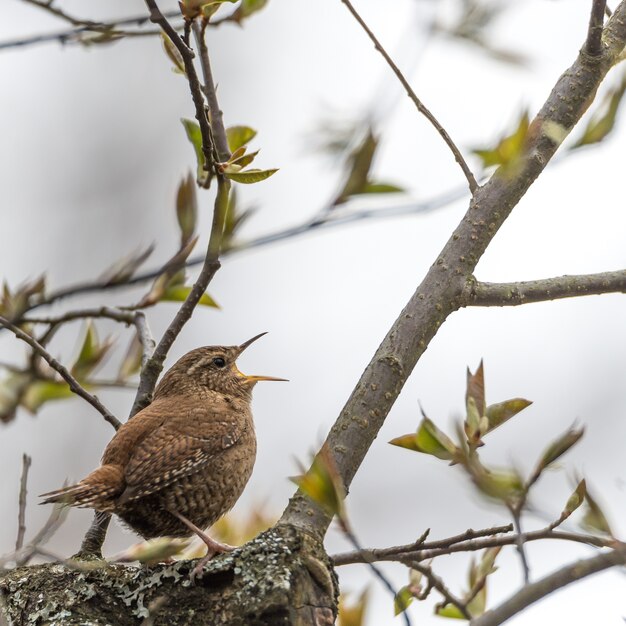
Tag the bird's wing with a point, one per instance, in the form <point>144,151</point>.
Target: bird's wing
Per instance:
<point>180,446</point>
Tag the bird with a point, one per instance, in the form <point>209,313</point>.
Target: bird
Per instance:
<point>183,461</point>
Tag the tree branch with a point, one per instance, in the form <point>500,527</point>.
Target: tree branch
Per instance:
<point>126,317</point>
<point>153,366</point>
<point>593,44</point>
<point>320,221</point>
<point>85,26</point>
<point>513,294</point>
<point>473,185</point>
<point>532,592</point>
<point>194,84</point>
<point>437,583</point>
<point>412,553</point>
<point>74,385</point>
<point>442,290</point>
<point>215,112</point>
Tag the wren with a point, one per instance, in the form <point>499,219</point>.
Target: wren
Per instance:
<point>183,461</point>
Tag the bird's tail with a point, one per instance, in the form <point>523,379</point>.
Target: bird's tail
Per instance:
<point>96,491</point>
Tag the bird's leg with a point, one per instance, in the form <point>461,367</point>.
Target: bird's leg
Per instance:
<point>213,547</point>
<point>94,538</point>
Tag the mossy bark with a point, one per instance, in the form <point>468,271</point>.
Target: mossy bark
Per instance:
<point>283,577</point>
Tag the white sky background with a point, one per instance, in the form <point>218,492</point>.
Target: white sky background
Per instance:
<point>92,150</point>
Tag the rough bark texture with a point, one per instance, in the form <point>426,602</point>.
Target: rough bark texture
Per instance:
<point>283,577</point>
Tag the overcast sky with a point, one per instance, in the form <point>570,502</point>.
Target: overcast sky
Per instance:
<point>91,154</point>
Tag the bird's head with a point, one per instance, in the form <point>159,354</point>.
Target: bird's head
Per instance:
<point>213,368</point>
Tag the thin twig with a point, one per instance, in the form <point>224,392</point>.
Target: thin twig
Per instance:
<point>533,592</point>
<point>593,45</point>
<point>317,223</point>
<point>437,583</point>
<point>404,554</point>
<point>194,84</point>
<point>376,571</point>
<point>215,112</point>
<point>126,317</point>
<point>145,337</point>
<point>153,366</point>
<point>473,185</point>
<point>421,544</point>
<point>21,515</point>
<point>74,385</point>
<point>86,26</point>
<point>150,372</point>
<point>524,292</point>
<point>26,553</point>
<point>519,544</point>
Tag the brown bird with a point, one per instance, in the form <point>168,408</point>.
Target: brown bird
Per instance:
<point>182,462</point>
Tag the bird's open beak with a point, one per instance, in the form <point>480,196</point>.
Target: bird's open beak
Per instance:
<point>245,344</point>
<point>254,379</point>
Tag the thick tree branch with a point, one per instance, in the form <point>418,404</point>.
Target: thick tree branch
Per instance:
<point>533,592</point>
<point>473,185</point>
<point>74,385</point>
<point>513,294</point>
<point>442,290</point>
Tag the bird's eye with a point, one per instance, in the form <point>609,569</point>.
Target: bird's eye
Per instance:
<point>218,361</point>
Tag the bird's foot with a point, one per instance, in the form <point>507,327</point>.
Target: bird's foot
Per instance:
<point>213,547</point>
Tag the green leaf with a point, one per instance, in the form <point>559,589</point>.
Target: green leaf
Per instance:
<point>559,447</point>
<point>124,269</point>
<point>353,613</point>
<point>476,388</point>
<point>449,610</point>
<point>239,136</point>
<point>245,159</point>
<point>173,54</point>
<point>402,600</point>
<point>509,150</point>
<point>249,177</point>
<point>247,8</point>
<point>179,293</point>
<point>153,551</point>
<point>173,274</point>
<point>195,137</point>
<point>499,413</point>
<point>601,124</point>
<point>504,485</point>
<point>43,391</point>
<point>594,519</point>
<point>322,483</point>
<point>359,165</point>
<point>91,354</point>
<point>575,500</point>
<point>380,187</point>
<point>429,440</point>
<point>186,209</point>
<point>11,390</point>
<point>234,219</point>
<point>131,363</point>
